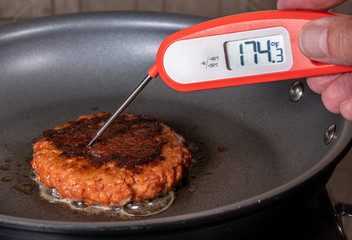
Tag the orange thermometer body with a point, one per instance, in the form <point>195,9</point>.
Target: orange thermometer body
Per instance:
<point>237,50</point>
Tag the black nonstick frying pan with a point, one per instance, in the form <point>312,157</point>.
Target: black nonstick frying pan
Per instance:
<point>257,152</point>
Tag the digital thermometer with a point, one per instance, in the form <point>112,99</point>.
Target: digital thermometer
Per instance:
<point>235,50</point>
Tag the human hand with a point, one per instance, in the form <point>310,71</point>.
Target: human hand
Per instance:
<point>327,40</point>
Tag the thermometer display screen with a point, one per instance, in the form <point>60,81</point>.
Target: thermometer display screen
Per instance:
<point>255,52</point>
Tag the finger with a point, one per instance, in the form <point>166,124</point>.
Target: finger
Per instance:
<point>328,40</point>
<point>346,109</point>
<point>337,93</point>
<point>308,4</point>
<point>319,83</point>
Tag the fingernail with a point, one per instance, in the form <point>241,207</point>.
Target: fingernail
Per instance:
<point>313,41</point>
<point>346,109</point>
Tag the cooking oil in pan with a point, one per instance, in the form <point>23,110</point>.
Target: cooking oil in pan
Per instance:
<point>131,211</point>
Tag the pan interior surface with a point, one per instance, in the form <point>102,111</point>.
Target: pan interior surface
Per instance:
<point>246,141</point>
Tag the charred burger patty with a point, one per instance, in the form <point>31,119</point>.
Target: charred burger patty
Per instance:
<point>135,159</point>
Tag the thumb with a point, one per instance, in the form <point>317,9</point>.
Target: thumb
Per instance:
<point>328,40</point>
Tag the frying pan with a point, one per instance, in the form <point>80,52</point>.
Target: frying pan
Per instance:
<point>257,153</point>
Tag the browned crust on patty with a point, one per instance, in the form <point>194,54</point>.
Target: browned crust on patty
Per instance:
<point>111,182</point>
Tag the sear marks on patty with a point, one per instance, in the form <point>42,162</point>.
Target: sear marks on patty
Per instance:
<point>129,141</point>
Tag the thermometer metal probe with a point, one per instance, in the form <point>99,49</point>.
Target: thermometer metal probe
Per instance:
<point>235,50</point>
<point>130,98</point>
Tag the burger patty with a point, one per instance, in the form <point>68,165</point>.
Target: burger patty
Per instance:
<point>135,159</point>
